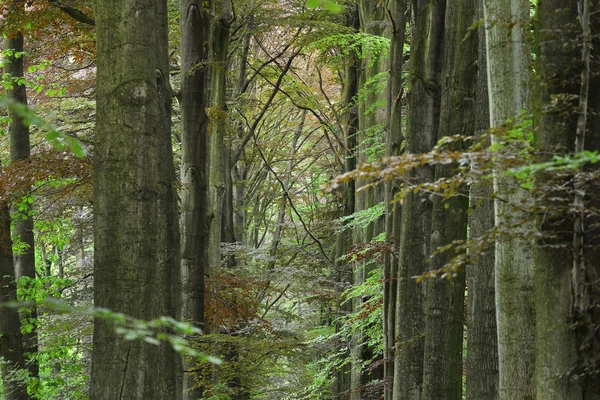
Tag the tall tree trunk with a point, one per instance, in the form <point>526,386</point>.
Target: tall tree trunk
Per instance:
<point>444,308</point>
<point>343,269</point>
<point>555,345</point>
<point>508,57</point>
<point>397,19</point>
<point>169,259</point>
<point>128,275</point>
<point>22,217</point>
<point>217,168</point>
<point>11,340</point>
<point>482,335</point>
<point>195,24</point>
<point>427,44</point>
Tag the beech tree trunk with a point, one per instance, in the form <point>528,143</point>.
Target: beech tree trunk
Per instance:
<point>556,26</point>
<point>22,219</point>
<point>217,166</point>
<point>397,19</point>
<point>11,340</point>
<point>508,58</point>
<point>195,28</point>
<point>444,308</point>
<point>482,335</point>
<point>425,82</point>
<point>128,275</point>
<point>343,270</point>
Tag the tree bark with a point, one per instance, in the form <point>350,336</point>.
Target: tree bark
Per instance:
<point>22,219</point>
<point>128,274</point>
<point>444,307</point>
<point>482,335</point>
<point>397,19</point>
<point>425,80</point>
<point>508,57</point>
<point>343,270</point>
<point>11,340</point>
<point>556,25</point>
<point>217,167</point>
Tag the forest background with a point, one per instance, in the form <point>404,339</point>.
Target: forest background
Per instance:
<point>299,199</point>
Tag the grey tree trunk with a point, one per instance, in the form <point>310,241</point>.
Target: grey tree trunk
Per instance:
<point>11,340</point>
<point>217,167</point>
<point>397,17</point>
<point>128,274</point>
<point>343,270</point>
<point>482,335</point>
<point>168,244</point>
<point>556,133</point>
<point>20,149</point>
<point>508,58</point>
<point>444,308</point>
<point>195,28</point>
<point>427,44</point>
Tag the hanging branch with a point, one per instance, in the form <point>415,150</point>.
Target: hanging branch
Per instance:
<point>579,266</point>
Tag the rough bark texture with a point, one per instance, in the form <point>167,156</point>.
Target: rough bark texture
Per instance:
<point>11,341</point>
<point>482,335</point>
<point>168,209</point>
<point>423,118</point>
<point>444,308</point>
<point>555,346</point>
<point>217,167</point>
<point>508,58</point>
<point>128,275</point>
<point>397,17</point>
<point>20,149</point>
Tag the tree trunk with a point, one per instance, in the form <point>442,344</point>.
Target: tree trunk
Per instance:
<point>482,335</point>
<point>444,308</point>
<point>11,341</point>
<point>343,270</point>
<point>555,346</point>
<point>22,219</point>
<point>393,211</point>
<point>427,44</point>
<point>194,225</point>
<point>128,275</point>
<point>508,57</point>
<point>168,244</point>
<point>217,168</point>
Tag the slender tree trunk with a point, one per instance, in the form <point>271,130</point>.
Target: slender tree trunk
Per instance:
<point>444,308</point>
<point>508,57</point>
<point>397,17</point>
<point>22,218</point>
<point>128,274</point>
<point>482,335</point>
<point>427,44</point>
<point>169,246</point>
<point>195,23</point>
<point>11,340</point>
<point>343,270</point>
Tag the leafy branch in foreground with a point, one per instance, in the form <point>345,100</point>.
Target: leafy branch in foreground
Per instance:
<point>155,332</point>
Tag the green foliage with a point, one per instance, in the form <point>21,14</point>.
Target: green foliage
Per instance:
<point>362,218</point>
<point>327,5</point>
<point>375,86</point>
<point>361,44</point>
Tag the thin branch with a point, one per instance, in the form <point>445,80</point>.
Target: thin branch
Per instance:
<point>288,197</point>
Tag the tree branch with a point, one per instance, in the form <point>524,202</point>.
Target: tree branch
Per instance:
<point>73,12</point>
